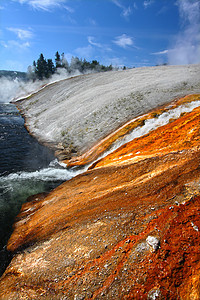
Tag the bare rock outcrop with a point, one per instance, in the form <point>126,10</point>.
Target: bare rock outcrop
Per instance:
<point>128,228</point>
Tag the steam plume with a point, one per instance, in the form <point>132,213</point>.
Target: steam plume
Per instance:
<point>186,49</point>
<point>15,89</point>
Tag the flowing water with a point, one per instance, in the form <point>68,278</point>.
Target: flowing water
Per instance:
<point>26,168</point>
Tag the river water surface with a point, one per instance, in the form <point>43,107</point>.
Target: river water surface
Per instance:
<point>26,168</point>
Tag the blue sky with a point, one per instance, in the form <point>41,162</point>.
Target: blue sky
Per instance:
<point>133,33</point>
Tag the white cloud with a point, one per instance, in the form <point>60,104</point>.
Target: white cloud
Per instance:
<point>148,3</point>
<point>21,33</point>
<point>45,4</point>
<point>69,9</point>
<point>22,42</point>
<point>161,52</point>
<point>102,47</point>
<point>15,44</point>
<point>186,47</point>
<point>124,41</point>
<point>126,11</point>
<point>85,52</point>
<point>92,42</point>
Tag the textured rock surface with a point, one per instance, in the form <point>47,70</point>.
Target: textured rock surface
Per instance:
<point>178,105</point>
<point>128,228</point>
<point>72,115</point>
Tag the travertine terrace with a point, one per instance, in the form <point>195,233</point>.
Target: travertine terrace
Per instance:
<point>128,228</point>
<point>73,114</point>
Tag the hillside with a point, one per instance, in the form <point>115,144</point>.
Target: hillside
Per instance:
<point>13,74</point>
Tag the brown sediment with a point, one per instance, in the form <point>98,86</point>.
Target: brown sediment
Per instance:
<point>128,228</point>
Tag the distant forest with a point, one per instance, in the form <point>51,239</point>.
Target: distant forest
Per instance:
<point>13,74</point>
<point>45,68</point>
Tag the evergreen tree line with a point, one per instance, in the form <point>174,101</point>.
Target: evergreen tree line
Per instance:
<point>45,68</point>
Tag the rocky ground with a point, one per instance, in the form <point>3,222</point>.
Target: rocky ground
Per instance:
<point>128,228</point>
<point>73,114</point>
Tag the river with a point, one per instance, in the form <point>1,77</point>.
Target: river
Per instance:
<point>26,168</point>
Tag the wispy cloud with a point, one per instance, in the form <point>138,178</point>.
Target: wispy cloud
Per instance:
<point>15,44</point>
<point>46,5</point>
<point>148,3</point>
<point>22,41</point>
<point>102,47</point>
<point>22,34</point>
<point>164,52</point>
<point>163,10</point>
<point>69,9</point>
<point>126,11</point>
<point>123,41</point>
<point>186,47</point>
<point>91,41</point>
<point>86,52</point>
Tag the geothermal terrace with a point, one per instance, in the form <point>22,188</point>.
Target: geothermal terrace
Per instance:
<point>128,227</point>
<point>75,113</point>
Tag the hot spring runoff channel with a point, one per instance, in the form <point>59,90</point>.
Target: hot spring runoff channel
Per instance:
<point>26,168</point>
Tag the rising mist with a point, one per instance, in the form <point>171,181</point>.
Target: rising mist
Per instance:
<point>186,45</point>
<point>14,89</point>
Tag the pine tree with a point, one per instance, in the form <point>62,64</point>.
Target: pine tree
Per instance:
<point>41,69</point>
<point>58,60</point>
<point>50,67</point>
<point>45,68</point>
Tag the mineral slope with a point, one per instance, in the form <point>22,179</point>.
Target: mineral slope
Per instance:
<point>73,114</point>
<point>128,228</point>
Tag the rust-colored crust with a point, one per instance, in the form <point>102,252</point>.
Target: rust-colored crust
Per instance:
<point>90,237</point>
<point>106,143</point>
